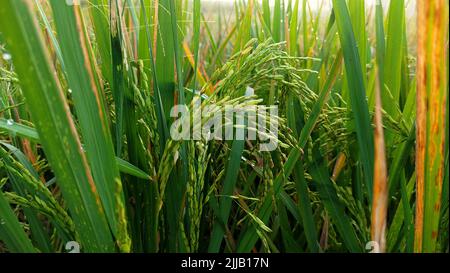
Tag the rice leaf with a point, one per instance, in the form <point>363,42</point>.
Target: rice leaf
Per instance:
<point>228,187</point>
<point>11,232</point>
<point>54,124</point>
<point>432,89</point>
<point>355,81</point>
<point>90,109</point>
<point>380,186</point>
<point>394,46</point>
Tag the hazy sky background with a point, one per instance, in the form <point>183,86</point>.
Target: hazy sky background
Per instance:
<point>211,7</point>
<point>410,4</point>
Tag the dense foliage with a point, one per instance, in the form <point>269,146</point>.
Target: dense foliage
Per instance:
<point>86,154</point>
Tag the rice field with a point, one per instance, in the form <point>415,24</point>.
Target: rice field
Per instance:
<point>336,141</point>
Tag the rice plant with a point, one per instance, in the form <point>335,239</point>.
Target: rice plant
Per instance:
<point>93,92</point>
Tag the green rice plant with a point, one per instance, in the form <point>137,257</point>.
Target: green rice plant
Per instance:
<point>11,231</point>
<point>357,92</point>
<point>56,128</point>
<point>88,92</point>
<point>89,105</point>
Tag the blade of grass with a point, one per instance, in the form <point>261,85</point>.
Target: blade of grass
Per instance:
<point>165,58</point>
<point>117,84</point>
<point>276,28</point>
<point>244,29</point>
<point>304,206</point>
<point>159,106</point>
<point>400,156</point>
<point>143,53</point>
<point>266,14</point>
<point>229,183</point>
<point>11,232</point>
<point>394,47</point>
<point>177,182</point>
<point>55,125</point>
<point>432,88</point>
<point>358,19</point>
<point>50,33</point>
<point>408,214</point>
<point>290,243</point>
<point>313,79</point>
<point>380,43</point>
<point>293,30</point>
<point>355,81</point>
<point>99,17</point>
<point>290,205</point>
<point>31,134</point>
<point>21,130</point>
<point>380,186</point>
<point>401,215</point>
<point>128,168</point>
<point>334,206</point>
<point>305,30</point>
<point>91,112</point>
<point>196,27</point>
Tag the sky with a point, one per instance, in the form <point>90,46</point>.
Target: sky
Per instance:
<point>328,3</point>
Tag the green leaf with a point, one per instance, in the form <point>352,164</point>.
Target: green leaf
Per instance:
<point>335,207</point>
<point>165,58</point>
<point>393,59</point>
<point>266,14</point>
<point>276,29</point>
<point>128,168</point>
<point>304,206</point>
<point>229,183</point>
<point>355,81</point>
<point>99,16</point>
<point>11,232</point>
<point>196,27</point>
<point>21,130</point>
<point>30,133</point>
<point>54,124</point>
<point>380,46</point>
<point>293,30</point>
<point>358,19</point>
<point>89,105</point>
